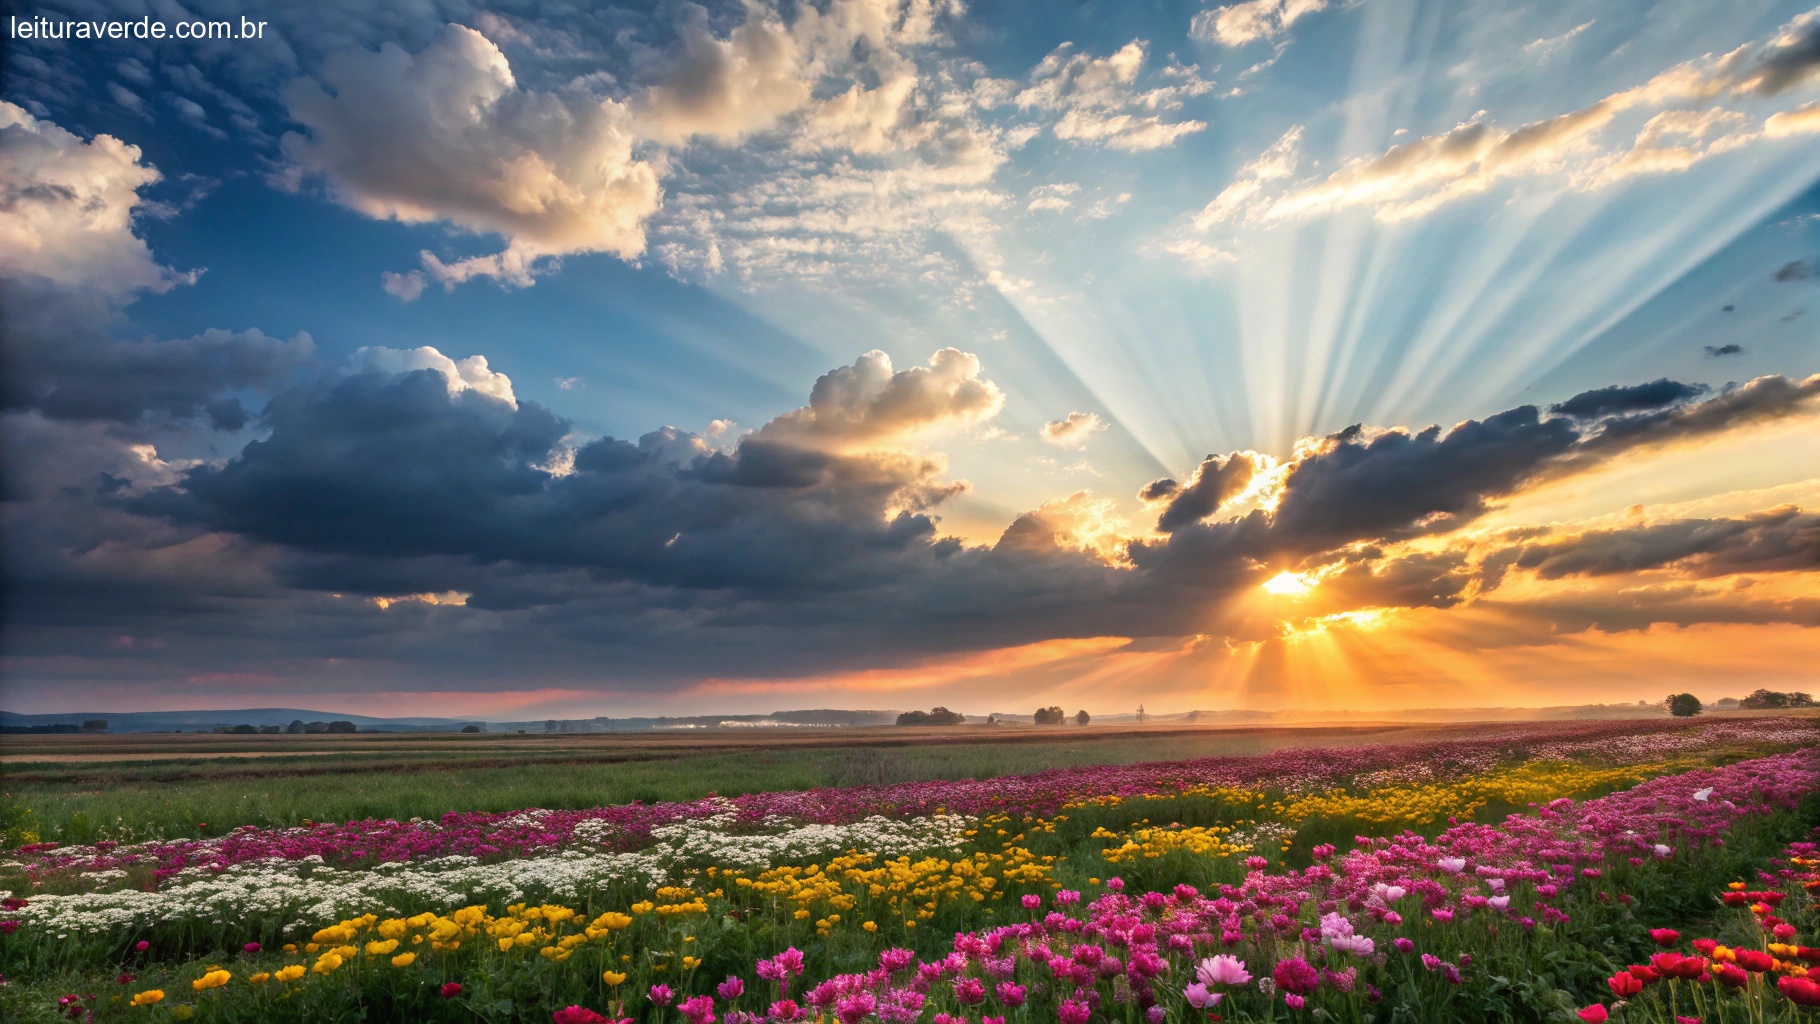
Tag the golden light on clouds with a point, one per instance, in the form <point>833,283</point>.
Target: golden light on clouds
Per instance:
<point>1289,584</point>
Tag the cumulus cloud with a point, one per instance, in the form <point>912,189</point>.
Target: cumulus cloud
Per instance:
<point>67,208</point>
<point>1073,430</point>
<point>471,373</point>
<point>870,402</point>
<point>405,287</point>
<point>1217,480</point>
<point>448,135</point>
<point>1623,399</point>
<point>1098,100</point>
<point>1247,22</point>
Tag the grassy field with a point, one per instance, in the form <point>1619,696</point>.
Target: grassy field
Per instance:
<point>141,786</point>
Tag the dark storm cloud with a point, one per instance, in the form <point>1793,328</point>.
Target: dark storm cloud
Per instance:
<point>1760,400</point>
<point>1791,60</point>
<point>60,361</point>
<point>1421,580</point>
<point>1782,539</point>
<point>1217,480</point>
<point>1618,401</point>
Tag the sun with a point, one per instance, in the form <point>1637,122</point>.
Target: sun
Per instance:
<point>1289,584</point>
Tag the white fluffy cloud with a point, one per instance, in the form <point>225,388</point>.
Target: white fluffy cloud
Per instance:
<point>1099,102</point>
<point>1073,430</point>
<point>448,135</point>
<point>1248,22</point>
<point>471,373</point>
<point>871,403</point>
<point>67,205</point>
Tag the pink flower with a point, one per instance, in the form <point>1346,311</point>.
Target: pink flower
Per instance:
<point>1199,998</point>
<point>661,995</point>
<point>1032,901</point>
<point>1223,969</point>
<point>731,989</point>
<point>1073,1012</point>
<point>1442,914</point>
<point>1296,975</point>
<point>1403,944</point>
<point>1665,936</point>
<point>1011,995</point>
<point>785,1010</point>
<point>970,991</point>
<point>697,1009</point>
<point>251,947</point>
<point>141,946</point>
<point>1293,1001</point>
<point>1594,1014</point>
<point>451,989</point>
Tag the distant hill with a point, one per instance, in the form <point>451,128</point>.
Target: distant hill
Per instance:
<point>191,721</point>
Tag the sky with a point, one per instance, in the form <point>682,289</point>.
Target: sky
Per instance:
<point>531,359</point>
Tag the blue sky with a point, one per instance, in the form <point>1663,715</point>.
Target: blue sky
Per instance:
<point>1160,231</point>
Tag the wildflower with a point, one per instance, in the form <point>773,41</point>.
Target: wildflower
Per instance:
<point>1730,976</point>
<point>290,973</point>
<point>260,978</point>
<point>1702,795</point>
<point>1800,991</point>
<point>404,959</point>
<point>1595,1014</point>
<point>1451,865</point>
<point>1665,936</point>
<point>698,1009</point>
<point>213,979</point>
<point>1223,969</point>
<point>1293,1001</point>
<point>577,1015</point>
<point>148,997</point>
<point>1072,1011</point>
<point>785,1010</point>
<point>140,947</point>
<point>1403,945</point>
<point>1442,914</point>
<point>613,978</point>
<point>661,995</point>
<point>970,991</point>
<point>1011,995</point>
<point>1295,975</point>
<point>1624,984</point>
<point>1198,997</point>
<point>451,989</point>
<point>731,989</point>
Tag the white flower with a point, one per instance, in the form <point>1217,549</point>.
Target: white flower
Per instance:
<point>1703,794</point>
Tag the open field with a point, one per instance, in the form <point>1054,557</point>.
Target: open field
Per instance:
<point>1033,877</point>
<point>133,787</point>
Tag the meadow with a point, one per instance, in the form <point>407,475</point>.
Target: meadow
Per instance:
<point>1644,870</point>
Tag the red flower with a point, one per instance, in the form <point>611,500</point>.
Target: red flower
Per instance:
<point>1799,991</point>
<point>451,989</point>
<point>1644,973</point>
<point>1705,947</point>
<point>1755,960</point>
<point>1665,936</point>
<point>577,1015</point>
<point>1731,976</point>
<point>1624,984</point>
<point>1595,1014</point>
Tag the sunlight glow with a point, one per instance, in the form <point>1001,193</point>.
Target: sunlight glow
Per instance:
<point>1289,584</point>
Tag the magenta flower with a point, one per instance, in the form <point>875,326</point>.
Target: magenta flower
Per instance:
<point>1074,1012</point>
<point>1200,998</point>
<point>1296,975</point>
<point>661,995</point>
<point>698,1009</point>
<point>970,991</point>
<point>731,989</point>
<point>1011,995</point>
<point>785,1010</point>
<point>1293,1001</point>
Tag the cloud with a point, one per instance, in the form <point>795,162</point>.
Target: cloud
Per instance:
<point>404,287</point>
<point>723,89</point>
<point>1052,197</point>
<point>67,208</point>
<point>1073,430</point>
<point>1621,400</point>
<point>1549,45</point>
<point>1727,349</point>
<point>870,402</point>
<point>1274,164</point>
<point>1782,539</point>
<point>1099,101</point>
<point>1217,480</point>
<point>448,135</point>
<point>1417,177</point>
<point>1794,270</point>
<point>1247,22</point>
<point>471,373</point>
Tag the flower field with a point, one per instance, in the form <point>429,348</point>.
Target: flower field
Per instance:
<point>1560,872</point>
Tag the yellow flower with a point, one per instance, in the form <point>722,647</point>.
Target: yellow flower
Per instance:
<point>291,973</point>
<point>148,997</point>
<point>213,979</point>
<point>613,977</point>
<point>690,963</point>
<point>381,948</point>
<point>327,963</point>
<point>259,979</point>
<point>870,926</point>
<point>182,1012</point>
<point>613,920</point>
<point>404,959</point>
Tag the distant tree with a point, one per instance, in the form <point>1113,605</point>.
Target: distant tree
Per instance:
<point>1193,716</point>
<point>470,728</point>
<point>270,730</point>
<point>1051,715</point>
<point>1141,716</point>
<point>992,720</point>
<point>315,727</point>
<point>1682,705</point>
<point>94,725</point>
<point>1797,699</point>
<point>937,716</point>
<point>1082,717</point>
<point>1761,700</point>
<point>244,730</point>
<point>340,727</point>
<point>295,727</point>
